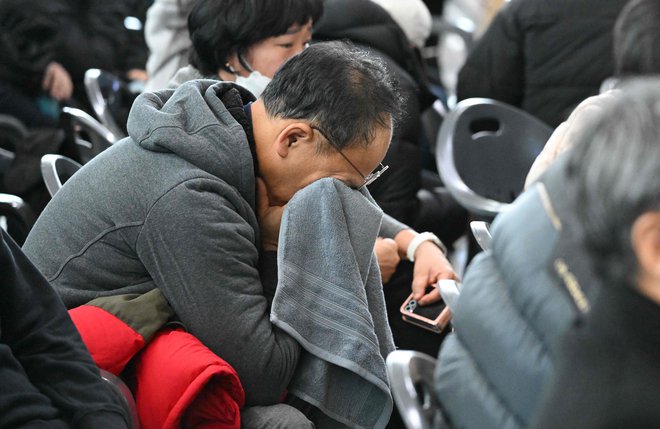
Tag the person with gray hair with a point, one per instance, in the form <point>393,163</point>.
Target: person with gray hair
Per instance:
<point>609,369</point>
<point>191,202</point>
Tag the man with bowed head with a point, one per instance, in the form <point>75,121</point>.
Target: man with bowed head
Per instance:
<point>191,202</point>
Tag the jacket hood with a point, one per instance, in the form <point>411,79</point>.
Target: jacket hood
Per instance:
<point>194,122</point>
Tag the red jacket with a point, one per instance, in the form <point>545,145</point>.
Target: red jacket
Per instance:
<point>177,379</point>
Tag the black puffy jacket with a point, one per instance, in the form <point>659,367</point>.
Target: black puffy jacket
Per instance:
<point>545,56</point>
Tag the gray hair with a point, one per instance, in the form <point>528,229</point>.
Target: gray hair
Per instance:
<point>614,175</point>
<point>343,91</point>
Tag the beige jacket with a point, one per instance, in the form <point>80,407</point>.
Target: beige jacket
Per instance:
<point>569,132</point>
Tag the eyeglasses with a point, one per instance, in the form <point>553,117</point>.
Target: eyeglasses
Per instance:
<point>369,178</point>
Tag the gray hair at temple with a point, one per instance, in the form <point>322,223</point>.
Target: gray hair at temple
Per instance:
<point>614,178</point>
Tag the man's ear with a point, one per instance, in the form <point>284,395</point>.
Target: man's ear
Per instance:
<point>292,136</point>
<point>646,243</point>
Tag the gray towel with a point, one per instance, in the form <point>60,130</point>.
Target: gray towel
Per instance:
<point>330,298</point>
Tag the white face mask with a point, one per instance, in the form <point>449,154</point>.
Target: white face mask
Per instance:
<point>255,82</point>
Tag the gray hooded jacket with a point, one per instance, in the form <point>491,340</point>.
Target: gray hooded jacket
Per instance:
<point>173,206</point>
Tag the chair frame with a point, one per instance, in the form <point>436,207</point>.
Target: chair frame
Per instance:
<point>102,138</point>
<point>411,372</point>
<point>51,165</point>
<point>100,106</point>
<point>121,389</point>
<point>13,207</point>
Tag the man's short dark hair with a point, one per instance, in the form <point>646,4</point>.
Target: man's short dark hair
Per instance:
<point>343,91</point>
<point>637,39</point>
<point>220,28</point>
<point>614,175</point>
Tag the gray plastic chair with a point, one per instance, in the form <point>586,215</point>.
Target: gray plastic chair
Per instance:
<point>56,170</point>
<point>484,151</point>
<point>90,135</point>
<point>411,380</point>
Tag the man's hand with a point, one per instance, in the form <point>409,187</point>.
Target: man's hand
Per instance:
<point>57,82</point>
<point>431,265</point>
<point>388,257</point>
<point>270,218</point>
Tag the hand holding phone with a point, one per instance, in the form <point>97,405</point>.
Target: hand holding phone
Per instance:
<point>433,317</point>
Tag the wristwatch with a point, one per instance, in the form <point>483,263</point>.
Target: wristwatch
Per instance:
<point>421,238</point>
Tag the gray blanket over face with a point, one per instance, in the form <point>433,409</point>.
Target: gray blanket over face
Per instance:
<point>329,297</point>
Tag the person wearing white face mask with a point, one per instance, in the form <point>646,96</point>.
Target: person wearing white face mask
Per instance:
<point>255,82</point>
<point>246,41</point>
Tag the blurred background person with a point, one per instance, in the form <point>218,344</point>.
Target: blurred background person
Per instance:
<point>32,83</point>
<point>636,53</point>
<point>543,56</point>
<point>166,35</point>
<point>413,16</point>
<point>94,35</point>
<point>246,42</point>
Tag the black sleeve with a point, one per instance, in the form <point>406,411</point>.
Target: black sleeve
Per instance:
<point>495,67</point>
<point>43,355</point>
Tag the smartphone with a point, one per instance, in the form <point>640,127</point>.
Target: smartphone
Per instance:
<point>433,317</point>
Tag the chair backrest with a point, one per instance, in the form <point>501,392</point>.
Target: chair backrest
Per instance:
<point>12,132</point>
<point>56,170</point>
<point>108,95</point>
<point>411,379</point>
<point>90,135</point>
<point>484,151</point>
<point>120,388</point>
<point>12,128</point>
<point>16,217</point>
